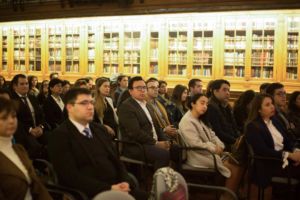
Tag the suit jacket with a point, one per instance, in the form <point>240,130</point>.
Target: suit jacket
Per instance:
<point>73,162</point>
<point>135,126</point>
<point>13,179</point>
<point>222,121</point>
<point>197,134</point>
<point>259,137</point>
<point>53,114</point>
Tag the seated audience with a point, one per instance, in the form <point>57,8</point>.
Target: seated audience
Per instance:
<point>17,175</point>
<point>160,112</point>
<point>82,152</point>
<point>196,132</point>
<point>123,96</point>
<point>263,87</point>
<point>138,124</point>
<point>33,83</point>
<point>195,87</point>
<point>90,82</point>
<point>178,107</point>
<point>81,83</point>
<point>220,114</point>
<point>122,84</point>
<point>66,85</point>
<point>43,93</point>
<point>53,75</point>
<point>241,108</point>
<point>54,105</point>
<point>294,112</point>
<point>268,138</point>
<point>104,108</point>
<point>208,91</point>
<point>163,96</point>
<point>31,133</point>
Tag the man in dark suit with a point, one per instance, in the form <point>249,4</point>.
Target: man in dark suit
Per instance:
<point>31,122</point>
<point>82,152</point>
<point>138,124</point>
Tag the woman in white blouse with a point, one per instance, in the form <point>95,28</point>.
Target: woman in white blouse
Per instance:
<point>17,175</point>
<point>196,133</point>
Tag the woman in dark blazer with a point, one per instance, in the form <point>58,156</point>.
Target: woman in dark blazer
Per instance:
<point>17,175</point>
<point>267,137</point>
<point>54,106</point>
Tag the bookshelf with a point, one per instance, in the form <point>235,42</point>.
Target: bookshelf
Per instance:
<point>55,36</point>
<point>91,48</point>
<point>293,28</point>
<point>72,48</point>
<point>203,33</point>
<point>177,48</point>
<point>111,49</point>
<point>153,51</point>
<point>4,48</point>
<point>35,48</point>
<point>19,50</point>
<point>235,48</point>
<point>262,58</point>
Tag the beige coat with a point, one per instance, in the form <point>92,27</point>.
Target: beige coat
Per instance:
<point>196,134</point>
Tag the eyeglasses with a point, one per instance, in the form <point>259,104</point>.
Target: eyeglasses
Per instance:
<point>153,88</point>
<point>86,103</point>
<point>282,94</point>
<point>140,88</point>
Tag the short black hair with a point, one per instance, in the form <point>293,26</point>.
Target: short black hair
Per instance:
<point>80,82</point>
<point>134,79</point>
<point>54,82</point>
<point>193,82</point>
<point>272,87</point>
<point>152,79</point>
<point>162,82</point>
<point>264,86</point>
<point>292,102</point>
<point>217,84</point>
<point>65,82</point>
<point>120,77</point>
<point>15,79</point>
<point>72,94</point>
<point>52,74</point>
<point>194,99</point>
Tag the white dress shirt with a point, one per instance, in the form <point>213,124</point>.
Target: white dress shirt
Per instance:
<point>80,127</point>
<point>59,102</point>
<point>276,135</point>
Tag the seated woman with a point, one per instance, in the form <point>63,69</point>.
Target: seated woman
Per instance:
<point>267,137</point>
<point>17,175</point>
<point>294,112</point>
<point>196,133</point>
<point>105,112</point>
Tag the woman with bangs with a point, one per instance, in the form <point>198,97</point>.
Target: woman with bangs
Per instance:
<point>16,170</point>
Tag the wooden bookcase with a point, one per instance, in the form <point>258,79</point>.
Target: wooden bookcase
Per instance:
<point>246,48</point>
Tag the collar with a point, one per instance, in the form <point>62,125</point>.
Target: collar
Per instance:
<point>79,126</point>
<point>141,103</point>
<point>20,95</point>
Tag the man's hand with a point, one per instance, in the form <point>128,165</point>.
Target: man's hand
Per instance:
<point>124,187</point>
<point>110,130</point>
<point>163,144</point>
<point>170,130</point>
<point>36,132</point>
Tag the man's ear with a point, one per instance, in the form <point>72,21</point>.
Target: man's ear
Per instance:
<point>69,107</point>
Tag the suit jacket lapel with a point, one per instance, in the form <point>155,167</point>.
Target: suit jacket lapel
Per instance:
<point>140,110</point>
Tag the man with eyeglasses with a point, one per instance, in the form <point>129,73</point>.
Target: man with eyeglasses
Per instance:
<point>160,112</point>
<point>277,91</point>
<point>82,152</point>
<point>138,124</point>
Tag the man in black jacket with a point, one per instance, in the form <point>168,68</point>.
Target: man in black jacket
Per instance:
<point>31,123</point>
<point>220,113</point>
<point>138,124</point>
<point>82,152</point>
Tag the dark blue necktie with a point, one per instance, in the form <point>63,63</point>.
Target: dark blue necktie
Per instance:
<point>87,132</point>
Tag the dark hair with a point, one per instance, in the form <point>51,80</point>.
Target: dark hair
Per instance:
<point>264,86</point>
<point>15,80</point>
<point>65,82</point>
<point>119,79</point>
<point>30,78</point>
<point>52,83</point>
<point>256,106</point>
<point>4,91</point>
<point>134,79</point>
<point>244,99</point>
<point>88,78</point>
<point>217,84</point>
<point>80,82</point>
<point>162,82</point>
<point>177,93</point>
<point>152,79</point>
<point>292,102</point>
<point>53,74</point>
<point>123,96</point>
<point>7,106</point>
<point>193,82</point>
<point>194,99</point>
<point>42,86</point>
<point>272,87</point>
<point>72,94</point>
<point>3,80</point>
<point>208,88</point>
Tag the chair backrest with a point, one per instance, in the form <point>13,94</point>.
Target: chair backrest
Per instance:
<point>45,171</point>
<point>113,195</point>
<point>160,186</point>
